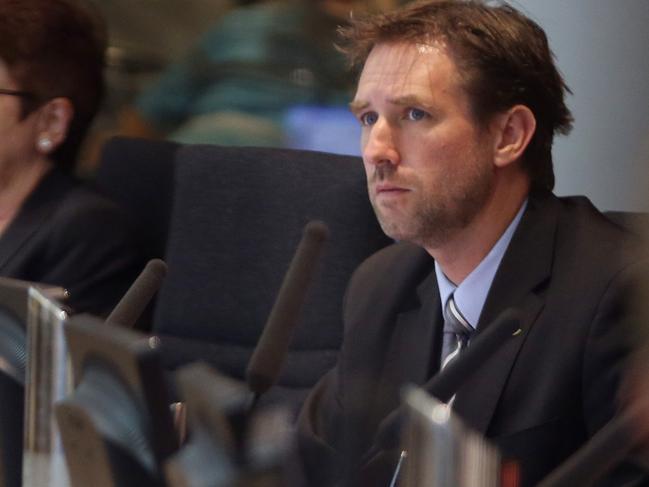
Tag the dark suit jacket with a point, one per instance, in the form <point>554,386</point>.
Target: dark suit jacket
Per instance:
<point>544,392</point>
<point>69,236</point>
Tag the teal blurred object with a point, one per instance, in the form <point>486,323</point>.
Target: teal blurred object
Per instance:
<point>254,64</point>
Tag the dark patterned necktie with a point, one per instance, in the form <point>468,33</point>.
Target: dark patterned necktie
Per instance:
<point>457,332</point>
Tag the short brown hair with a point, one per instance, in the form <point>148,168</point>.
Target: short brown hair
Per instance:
<point>56,48</point>
<point>502,55</point>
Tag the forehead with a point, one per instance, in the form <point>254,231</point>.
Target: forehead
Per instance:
<point>425,70</point>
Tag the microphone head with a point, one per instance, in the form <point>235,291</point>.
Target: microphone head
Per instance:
<point>259,382</point>
<point>268,357</point>
<point>137,297</point>
<point>157,268</point>
<point>316,230</point>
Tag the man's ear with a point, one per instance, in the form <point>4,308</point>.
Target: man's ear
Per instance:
<point>515,129</point>
<point>55,117</point>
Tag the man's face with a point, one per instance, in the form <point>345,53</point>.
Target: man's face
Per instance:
<point>429,166</point>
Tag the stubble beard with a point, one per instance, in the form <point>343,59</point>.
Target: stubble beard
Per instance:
<point>438,214</point>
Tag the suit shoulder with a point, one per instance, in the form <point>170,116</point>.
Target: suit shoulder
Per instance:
<point>386,276</point>
<point>83,209</point>
<point>617,238</point>
<point>82,199</point>
<point>87,223</point>
<point>397,258</point>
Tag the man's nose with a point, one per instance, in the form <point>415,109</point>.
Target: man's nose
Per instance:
<point>380,145</point>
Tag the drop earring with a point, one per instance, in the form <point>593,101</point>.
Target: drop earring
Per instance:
<point>44,144</point>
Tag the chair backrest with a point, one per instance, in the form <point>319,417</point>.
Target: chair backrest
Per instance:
<point>237,218</point>
<point>137,174</point>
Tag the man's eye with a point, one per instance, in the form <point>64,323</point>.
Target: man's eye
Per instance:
<point>415,114</point>
<point>369,118</point>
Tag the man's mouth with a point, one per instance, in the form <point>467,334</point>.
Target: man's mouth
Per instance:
<point>389,189</point>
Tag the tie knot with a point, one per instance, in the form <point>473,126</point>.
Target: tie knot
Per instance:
<point>455,322</point>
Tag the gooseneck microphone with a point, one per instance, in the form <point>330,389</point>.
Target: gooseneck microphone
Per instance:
<point>138,296</point>
<point>269,354</point>
<point>447,382</point>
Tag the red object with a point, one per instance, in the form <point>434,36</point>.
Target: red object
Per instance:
<point>510,474</point>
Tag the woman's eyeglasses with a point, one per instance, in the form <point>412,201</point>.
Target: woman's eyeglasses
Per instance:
<point>22,94</point>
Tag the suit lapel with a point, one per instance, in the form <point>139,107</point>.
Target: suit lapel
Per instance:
<point>519,282</point>
<point>36,210</point>
<point>413,342</point>
<point>408,336</point>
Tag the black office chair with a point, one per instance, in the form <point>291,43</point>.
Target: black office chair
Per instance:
<point>138,175</point>
<point>237,218</point>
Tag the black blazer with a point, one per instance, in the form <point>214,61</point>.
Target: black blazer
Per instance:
<point>546,390</point>
<point>67,235</point>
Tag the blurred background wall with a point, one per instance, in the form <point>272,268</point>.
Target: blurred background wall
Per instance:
<point>602,50</point>
<point>600,46</point>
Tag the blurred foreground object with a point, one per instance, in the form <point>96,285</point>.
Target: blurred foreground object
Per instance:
<point>15,307</point>
<point>441,450</point>
<point>116,426</point>
<point>47,380</point>
<point>229,444</point>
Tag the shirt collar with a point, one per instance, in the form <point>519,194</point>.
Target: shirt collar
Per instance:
<point>471,294</point>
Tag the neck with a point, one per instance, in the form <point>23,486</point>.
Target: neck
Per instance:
<point>16,185</point>
<point>466,248</point>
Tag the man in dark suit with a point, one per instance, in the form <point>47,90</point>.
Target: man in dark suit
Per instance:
<point>459,103</point>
